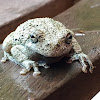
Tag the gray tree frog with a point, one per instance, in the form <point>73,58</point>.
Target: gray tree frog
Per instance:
<point>42,41</point>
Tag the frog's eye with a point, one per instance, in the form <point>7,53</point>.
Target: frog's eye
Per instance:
<point>68,38</point>
<point>34,39</point>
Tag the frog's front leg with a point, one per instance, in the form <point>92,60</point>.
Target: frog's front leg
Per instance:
<point>79,55</point>
<point>21,56</point>
<point>7,45</point>
<point>28,64</point>
<point>4,58</point>
<point>83,58</point>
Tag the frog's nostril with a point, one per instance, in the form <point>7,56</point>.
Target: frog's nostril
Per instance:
<point>32,36</point>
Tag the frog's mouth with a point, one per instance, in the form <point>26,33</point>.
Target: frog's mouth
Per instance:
<point>63,50</point>
<point>63,47</point>
<point>52,48</point>
<point>41,58</point>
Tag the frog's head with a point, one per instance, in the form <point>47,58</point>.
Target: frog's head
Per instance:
<point>50,38</point>
<point>63,46</point>
<point>51,45</point>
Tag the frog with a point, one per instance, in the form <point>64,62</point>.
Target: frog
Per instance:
<point>40,42</point>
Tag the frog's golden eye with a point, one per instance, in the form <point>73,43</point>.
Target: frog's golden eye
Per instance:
<point>68,38</point>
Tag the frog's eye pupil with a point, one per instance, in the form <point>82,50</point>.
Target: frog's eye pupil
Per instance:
<point>15,39</point>
<point>32,36</point>
<point>70,37</point>
<point>40,36</point>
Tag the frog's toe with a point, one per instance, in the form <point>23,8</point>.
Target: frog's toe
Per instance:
<point>3,60</point>
<point>24,71</point>
<point>73,58</point>
<point>84,69</point>
<point>83,58</point>
<point>84,66</point>
<point>36,73</point>
<point>91,69</point>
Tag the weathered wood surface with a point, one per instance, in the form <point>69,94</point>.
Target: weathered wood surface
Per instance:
<point>85,15</point>
<point>82,87</point>
<point>13,86</point>
<point>15,12</point>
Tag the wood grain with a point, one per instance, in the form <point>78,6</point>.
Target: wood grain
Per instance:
<point>13,86</point>
<point>15,12</point>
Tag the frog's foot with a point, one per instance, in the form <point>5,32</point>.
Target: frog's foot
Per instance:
<point>36,69</point>
<point>5,58</point>
<point>36,73</point>
<point>83,59</point>
<point>28,64</point>
<point>24,71</point>
<point>26,67</point>
<point>44,65</point>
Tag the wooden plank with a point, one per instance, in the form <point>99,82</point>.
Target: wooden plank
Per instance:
<point>50,80</point>
<point>82,16</point>
<point>60,73</point>
<point>16,12</point>
<point>82,87</point>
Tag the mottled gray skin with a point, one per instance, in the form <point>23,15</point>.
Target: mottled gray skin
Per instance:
<point>41,41</point>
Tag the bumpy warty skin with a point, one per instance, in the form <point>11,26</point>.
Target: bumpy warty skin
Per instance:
<point>40,39</point>
<point>50,34</point>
